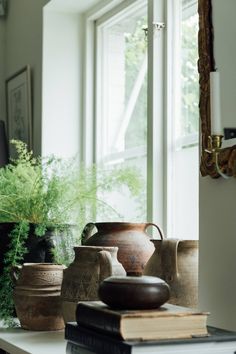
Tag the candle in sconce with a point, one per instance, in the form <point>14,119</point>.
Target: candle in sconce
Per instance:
<point>216,128</point>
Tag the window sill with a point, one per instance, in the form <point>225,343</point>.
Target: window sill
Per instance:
<point>20,341</point>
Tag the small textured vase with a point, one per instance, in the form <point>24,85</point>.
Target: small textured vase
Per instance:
<point>133,242</point>
<point>176,262</point>
<point>81,279</point>
<point>37,296</point>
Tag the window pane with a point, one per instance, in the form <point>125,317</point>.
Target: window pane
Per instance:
<point>124,89</point>
<point>188,124</point>
<point>122,110</point>
<point>136,85</point>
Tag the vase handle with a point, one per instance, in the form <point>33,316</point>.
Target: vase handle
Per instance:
<point>161,233</point>
<point>105,262</point>
<point>87,231</point>
<point>169,259</point>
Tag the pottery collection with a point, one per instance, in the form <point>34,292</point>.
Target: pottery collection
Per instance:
<point>119,264</point>
<point>133,242</point>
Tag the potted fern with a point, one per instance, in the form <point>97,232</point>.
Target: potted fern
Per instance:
<point>40,199</point>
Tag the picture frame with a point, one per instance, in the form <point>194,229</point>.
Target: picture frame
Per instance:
<point>19,107</point>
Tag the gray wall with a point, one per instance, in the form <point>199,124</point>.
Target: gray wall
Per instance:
<point>24,46</point>
<point>217,197</point>
<point>2,69</point>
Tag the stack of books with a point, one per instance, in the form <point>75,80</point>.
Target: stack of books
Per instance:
<point>102,330</point>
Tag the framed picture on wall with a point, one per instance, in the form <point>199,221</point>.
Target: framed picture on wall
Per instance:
<point>19,108</point>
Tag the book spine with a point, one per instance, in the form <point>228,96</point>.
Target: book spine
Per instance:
<point>73,348</point>
<point>95,318</point>
<point>95,342</point>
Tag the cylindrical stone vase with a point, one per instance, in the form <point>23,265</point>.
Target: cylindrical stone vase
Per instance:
<point>37,296</point>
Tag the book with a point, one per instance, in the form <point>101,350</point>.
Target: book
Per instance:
<point>82,340</point>
<point>169,321</point>
<point>74,348</point>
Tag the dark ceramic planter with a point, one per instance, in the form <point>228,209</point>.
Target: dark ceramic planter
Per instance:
<point>38,248</point>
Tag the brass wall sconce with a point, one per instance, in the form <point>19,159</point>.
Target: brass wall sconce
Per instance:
<point>214,148</point>
<point>216,160</point>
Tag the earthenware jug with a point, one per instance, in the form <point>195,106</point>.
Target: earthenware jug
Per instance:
<point>37,296</point>
<point>133,242</point>
<point>81,279</point>
<point>176,262</point>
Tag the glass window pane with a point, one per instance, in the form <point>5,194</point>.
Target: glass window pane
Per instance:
<point>188,122</point>
<point>122,112</point>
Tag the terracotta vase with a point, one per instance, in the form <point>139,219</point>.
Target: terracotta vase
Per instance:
<point>133,242</point>
<point>82,278</point>
<point>176,262</point>
<point>37,296</point>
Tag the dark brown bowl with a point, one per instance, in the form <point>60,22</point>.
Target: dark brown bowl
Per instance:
<point>134,292</point>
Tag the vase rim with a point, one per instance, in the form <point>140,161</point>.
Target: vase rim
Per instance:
<point>121,223</point>
<point>100,248</point>
<point>43,265</point>
<point>180,241</point>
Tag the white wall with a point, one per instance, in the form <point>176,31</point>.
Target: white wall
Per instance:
<point>24,46</point>
<point>184,199</point>
<point>62,79</point>
<point>217,197</point>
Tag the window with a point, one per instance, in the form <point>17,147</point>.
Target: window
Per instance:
<point>146,99</point>
<point>121,99</point>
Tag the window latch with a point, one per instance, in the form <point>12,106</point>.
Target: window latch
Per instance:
<point>157,26</point>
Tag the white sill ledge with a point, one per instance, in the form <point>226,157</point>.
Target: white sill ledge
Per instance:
<point>19,341</point>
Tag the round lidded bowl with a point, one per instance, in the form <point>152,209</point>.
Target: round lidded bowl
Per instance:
<point>134,292</point>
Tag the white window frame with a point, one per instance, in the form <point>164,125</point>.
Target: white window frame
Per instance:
<point>160,107</point>
<point>156,153</point>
